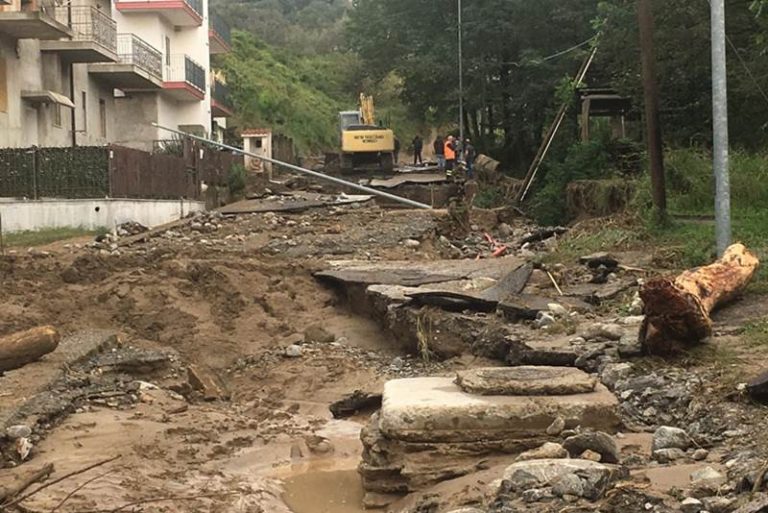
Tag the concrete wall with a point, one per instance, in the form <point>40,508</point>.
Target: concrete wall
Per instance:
<point>136,112</point>
<point>24,124</point>
<point>91,214</point>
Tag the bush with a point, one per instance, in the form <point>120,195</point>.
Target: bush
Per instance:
<point>236,180</point>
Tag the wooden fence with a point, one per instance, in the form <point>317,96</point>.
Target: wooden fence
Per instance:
<point>112,171</point>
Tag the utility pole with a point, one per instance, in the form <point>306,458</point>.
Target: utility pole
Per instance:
<point>720,129</point>
<point>651,94</point>
<point>461,84</point>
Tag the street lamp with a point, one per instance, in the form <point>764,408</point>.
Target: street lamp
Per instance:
<point>461,84</point>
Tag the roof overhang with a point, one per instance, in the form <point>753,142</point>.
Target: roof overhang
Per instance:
<point>47,97</point>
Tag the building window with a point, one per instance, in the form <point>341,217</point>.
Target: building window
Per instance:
<point>167,51</point>
<point>85,112</point>
<point>3,87</point>
<point>56,115</point>
<point>103,117</point>
<point>259,142</point>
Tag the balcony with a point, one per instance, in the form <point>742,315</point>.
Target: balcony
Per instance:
<point>219,35</point>
<point>180,13</point>
<point>184,79</point>
<point>139,66</point>
<point>94,35</point>
<point>31,20</point>
<point>220,104</point>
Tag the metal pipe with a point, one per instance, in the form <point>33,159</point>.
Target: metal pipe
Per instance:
<point>309,172</point>
<point>720,129</point>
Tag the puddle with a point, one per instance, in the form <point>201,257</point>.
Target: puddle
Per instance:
<point>675,476</point>
<point>338,491</point>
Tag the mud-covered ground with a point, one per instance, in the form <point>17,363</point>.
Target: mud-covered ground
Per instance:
<point>234,298</point>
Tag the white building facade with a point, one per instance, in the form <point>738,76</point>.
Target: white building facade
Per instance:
<point>91,72</point>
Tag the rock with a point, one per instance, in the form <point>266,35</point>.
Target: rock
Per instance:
<point>632,320</point>
<point>567,484</point>
<point>707,477</point>
<point>691,505</point>
<point>557,427</point>
<point>505,230</point>
<point>595,477</point>
<point>757,387</point>
<point>602,330</point>
<point>758,505</point>
<point>466,510</point>
<point>667,455</point>
<point>317,333</point>
<point>544,319</point>
<point>525,380</point>
<point>700,455</point>
<point>557,309</point>
<point>667,437</point>
<point>615,372</point>
<point>636,307</point>
<point>629,346</point>
<point>717,504</point>
<point>411,243</point>
<point>595,260</point>
<point>590,455</point>
<point>206,382</point>
<point>549,450</point>
<point>293,351</point>
<point>597,441</point>
<point>18,431</point>
<point>537,495</point>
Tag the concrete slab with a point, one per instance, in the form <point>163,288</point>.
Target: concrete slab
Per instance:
<point>436,410</point>
<point>23,387</point>
<point>525,381</point>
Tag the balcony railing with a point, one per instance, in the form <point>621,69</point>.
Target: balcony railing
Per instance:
<point>131,49</point>
<point>196,5</point>
<point>183,69</point>
<point>220,93</point>
<point>89,24</point>
<point>220,27</point>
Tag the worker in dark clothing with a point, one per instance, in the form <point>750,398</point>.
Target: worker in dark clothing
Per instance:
<point>470,154</point>
<point>440,154</point>
<point>397,149</point>
<point>418,146</point>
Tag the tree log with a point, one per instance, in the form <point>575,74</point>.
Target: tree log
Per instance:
<point>25,347</point>
<point>677,312</point>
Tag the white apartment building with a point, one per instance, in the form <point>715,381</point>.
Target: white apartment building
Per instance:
<point>90,72</point>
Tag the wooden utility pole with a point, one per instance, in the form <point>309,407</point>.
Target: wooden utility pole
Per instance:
<point>651,90</point>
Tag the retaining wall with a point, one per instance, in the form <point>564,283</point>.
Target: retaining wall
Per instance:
<point>21,215</point>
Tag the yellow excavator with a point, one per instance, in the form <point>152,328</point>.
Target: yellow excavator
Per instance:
<point>365,146</point>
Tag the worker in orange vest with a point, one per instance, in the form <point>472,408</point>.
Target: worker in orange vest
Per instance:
<point>450,155</point>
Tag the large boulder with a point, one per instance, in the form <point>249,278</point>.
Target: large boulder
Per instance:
<point>597,441</point>
<point>667,437</point>
<point>595,477</point>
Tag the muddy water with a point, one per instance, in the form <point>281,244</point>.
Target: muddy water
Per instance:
<point>337,491</point>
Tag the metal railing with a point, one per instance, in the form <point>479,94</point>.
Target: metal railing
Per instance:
<point>218,25</point>
<point>181,68</point>
<point>220,93</point>
<point>131,49</point>
<point>47,7</point>
<point>89,24</point>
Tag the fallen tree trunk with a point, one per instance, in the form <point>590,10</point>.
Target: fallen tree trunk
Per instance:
<point>677,312</point>
<point>25,347</point>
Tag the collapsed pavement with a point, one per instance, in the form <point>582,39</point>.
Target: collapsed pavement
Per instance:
<point>218,308</point>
